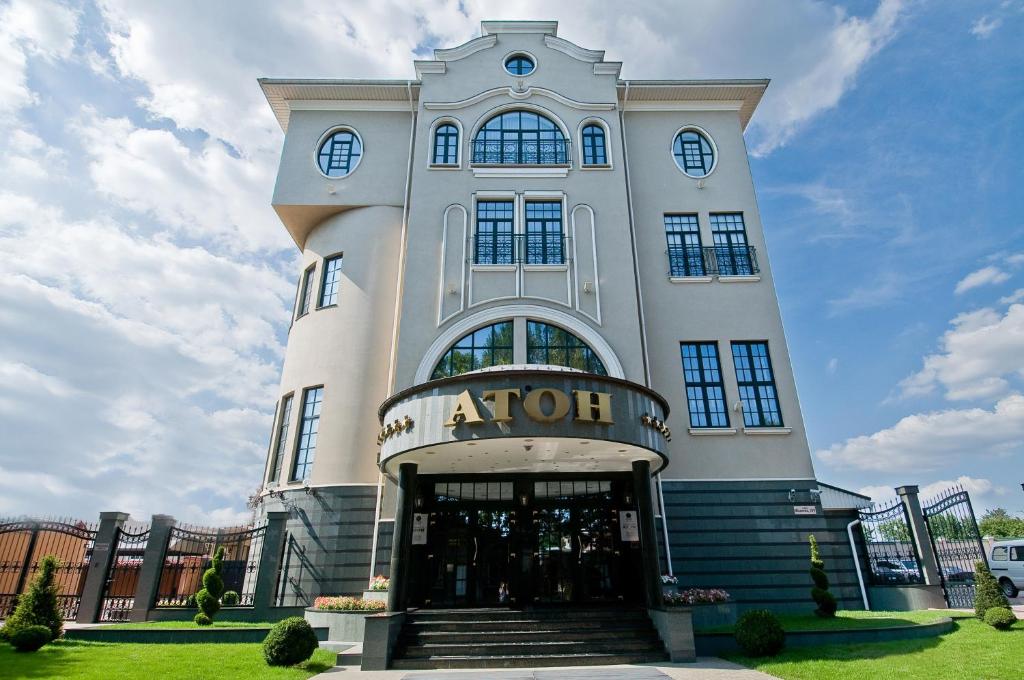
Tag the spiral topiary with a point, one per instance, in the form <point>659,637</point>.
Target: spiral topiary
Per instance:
<point>826,602</point>
<point>208,599</point>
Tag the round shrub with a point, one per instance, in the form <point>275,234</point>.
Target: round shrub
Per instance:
<point>759,633</point>
<point>29,638</point>
<point>190,601</point>
<point>289,642</point>
<point>202,619</point>
<point>230,599</point>
<point>999,618</point>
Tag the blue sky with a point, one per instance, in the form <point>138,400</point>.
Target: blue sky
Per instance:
<point>145,282</point>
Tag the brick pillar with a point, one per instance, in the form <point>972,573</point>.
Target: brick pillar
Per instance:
<point>919,534</point>
<point>103,552</point>
<point>265,592</point>
<point>152,566</point>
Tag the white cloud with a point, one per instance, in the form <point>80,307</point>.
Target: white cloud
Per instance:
<point>928,441</point>
<point>986,276</point>
<point>31,28</point>
<point>832,366</point>
<point>1015,296</point>
<point>978,488</point>
<point>984,26</point>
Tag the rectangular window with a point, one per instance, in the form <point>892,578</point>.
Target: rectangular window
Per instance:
<point>281,441</point>
<point>309,426</point>
<point>544,233</point>
<point>1017,554</point>
<point>685,255</point>
<point>331,281</point>
<point>593,146</point>
<point>731,251</point>
<point>999,554</point>
<point>705,395</point>
<point>306,292</point>
<point>446,145</point>
<point>494,225</point>
<point>757,384</point>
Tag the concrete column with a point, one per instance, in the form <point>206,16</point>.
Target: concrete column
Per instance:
<point>919,533</point>
<point>274,537</point>
<point>152,566</point>
<point>401,543</point>
<point>103,552</point>
<point>648,535</point>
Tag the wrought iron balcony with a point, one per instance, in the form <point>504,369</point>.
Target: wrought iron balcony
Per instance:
<point>721,260</point>
<point>521,152</point>
<point>519,249</point>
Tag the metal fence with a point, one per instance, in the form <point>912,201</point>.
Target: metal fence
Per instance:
<point>721,260</point>
<point>957,544</point>
<point>190,552</point>
<point>892,557</point>
<point>521,152</point>
<point>123,576</point>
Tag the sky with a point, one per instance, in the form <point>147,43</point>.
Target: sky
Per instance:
<point>146,283</point>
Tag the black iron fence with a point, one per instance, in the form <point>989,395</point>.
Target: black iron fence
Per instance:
<point>722,260</point>
<point>892,558</point>
<point>190,552</point>
<point>957,544</point>
<point>521,152</point>
<point>123,576</point>
<point>534,248</point>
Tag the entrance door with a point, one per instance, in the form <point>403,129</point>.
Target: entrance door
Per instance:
<point>469,558</point>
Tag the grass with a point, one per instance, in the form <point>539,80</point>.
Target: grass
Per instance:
<point>974,650</point>
<point>179,625</point>
<point>77,660</point>
<point>848,620</point>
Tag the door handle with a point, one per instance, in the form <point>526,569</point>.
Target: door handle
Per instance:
<point>476,549</point>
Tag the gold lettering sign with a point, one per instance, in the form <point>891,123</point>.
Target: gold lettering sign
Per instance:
<point>591,404</point>
<point>502,401</point>
<point>591,407</point>
<point>533,408</point>
<point>465,410</point>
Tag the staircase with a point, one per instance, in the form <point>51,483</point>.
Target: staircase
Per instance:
<point>504,638</point>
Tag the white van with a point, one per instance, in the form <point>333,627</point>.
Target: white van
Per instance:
<point>1007,564</point>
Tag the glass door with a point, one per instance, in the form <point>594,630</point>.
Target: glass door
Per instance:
<point>469,553</point>
<point>555,557</point>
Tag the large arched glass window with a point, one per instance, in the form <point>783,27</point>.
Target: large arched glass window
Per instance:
<point>487,346</point>
<point>694,153</point>
<point>547,344</point>
<point>593,145</point>
<point>520,138</point>
<point>446,145</point>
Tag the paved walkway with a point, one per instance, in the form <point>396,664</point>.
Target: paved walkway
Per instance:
<point>706,668</point>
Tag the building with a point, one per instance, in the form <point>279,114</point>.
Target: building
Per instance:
<point>536,340</point>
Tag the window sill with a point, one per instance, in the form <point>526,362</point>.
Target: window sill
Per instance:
<point>767,430</point>
<point>444,166</point>
<point>596,166</point>
<point>751,278</point>
<point>690,279</point>
<point>711,431</point>
<point>301,315</point>
<point>520,171</point>
<point>494,267</point>
<point>327,306</point>
<point>546,267</point>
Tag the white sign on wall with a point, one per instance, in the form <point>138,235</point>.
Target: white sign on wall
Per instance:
<point>628,527</point>
<point>805,510</point>
<point>419,528</point>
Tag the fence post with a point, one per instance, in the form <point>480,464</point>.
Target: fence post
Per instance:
<point>104,550</point>
<point>152,566</point>
<point>919,533</point>
<point>270,560</point>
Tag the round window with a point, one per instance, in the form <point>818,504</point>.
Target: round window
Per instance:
<point>339,153</point>
<point>519,65</point>
<point>694,153</point>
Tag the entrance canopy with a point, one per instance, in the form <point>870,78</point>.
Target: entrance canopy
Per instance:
<point>523,419</point>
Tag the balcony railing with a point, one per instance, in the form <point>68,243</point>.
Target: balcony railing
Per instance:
<point>519,249</point>
<point>524,152</point>
<point>720,260</point>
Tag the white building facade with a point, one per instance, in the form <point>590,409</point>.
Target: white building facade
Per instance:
<point>537,356</point>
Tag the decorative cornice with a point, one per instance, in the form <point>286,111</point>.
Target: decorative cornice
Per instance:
<point>607,68</point>
<point>573,50</point>
<point>425,66</point>
<point>466,49</point>
<point>492,27</point>
<point>525,94</point>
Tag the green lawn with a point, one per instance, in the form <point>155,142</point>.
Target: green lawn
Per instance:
<point>178,625</point>
<point>973,651</point>
<point>103,661</point>
<point>846,620</point>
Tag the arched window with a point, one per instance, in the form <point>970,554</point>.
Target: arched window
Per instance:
<point>520,138</point>
<point>487,346</point>
<point>593,145</point>
<point>547,344</point>
<point>446,145</point>
<point>694,153</point>
<point>339,153</point>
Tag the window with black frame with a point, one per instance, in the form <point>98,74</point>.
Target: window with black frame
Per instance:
<point>306,291</point>
<point>685,255</point>
<point>309,428</point>
<point>694,153</point>
<point>484,347</point>
<point>549,344</point>
<point>495,222</point>
<point>544,243</point>
<point>281,443</point>
<point>594,152</point>
<point>757,384</point>
<point>520,138</point>
<point>331,281</point>
<point>705,395</point>
<point>732,254</point>
<point>446,145</point>
<point>339,154</point>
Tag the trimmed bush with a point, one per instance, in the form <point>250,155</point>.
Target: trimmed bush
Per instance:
<point>38,605</point>
<point>230,599</point>
<point>987,593</point>
<point>202,619</point>
<point>30,638</point>
<point>826,602</point>
<point>190,602</point>
<point>999,618</point>
<point>759,633</point>
<point>208,599</point>
<point>289,642</point>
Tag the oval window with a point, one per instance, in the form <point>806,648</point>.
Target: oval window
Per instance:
<point>339,153</point>
<point>694,153</point>
<point>519,65</point>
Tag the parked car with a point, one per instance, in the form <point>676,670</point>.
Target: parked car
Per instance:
<point>911,570</point>
<point>891,572</point>
<point>1007,564</point>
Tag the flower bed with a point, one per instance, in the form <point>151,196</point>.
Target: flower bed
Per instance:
<point>380,583</point>
<point>348,604</point>
<point>692,596</point>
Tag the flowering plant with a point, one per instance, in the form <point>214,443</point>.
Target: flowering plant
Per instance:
<point>697,596</point>
<point>379,583</point>
<point>348,604</point>
<point>668,580</point>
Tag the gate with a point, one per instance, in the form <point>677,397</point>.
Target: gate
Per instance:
<point>189,553</point>
<point>892,557</point>
<point>24,543</point>
<point>123,576</point>
<point>957,544</point>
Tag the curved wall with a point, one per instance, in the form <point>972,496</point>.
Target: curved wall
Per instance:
<point>346,348</point>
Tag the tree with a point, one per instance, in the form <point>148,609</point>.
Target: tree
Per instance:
<point>987,593</point>
<point>38,605</point>
<point>819,593</point>
<point>998,523</point>
<point>894,530</point>
<point>208,599</point>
